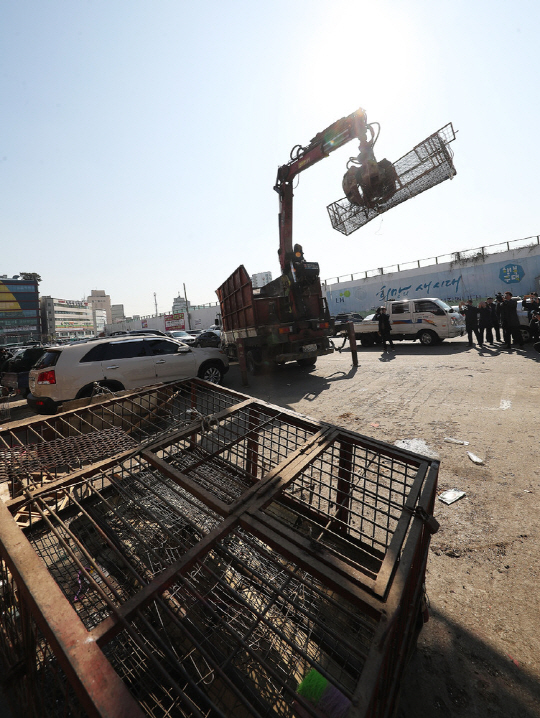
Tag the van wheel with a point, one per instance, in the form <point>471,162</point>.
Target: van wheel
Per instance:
<point>428,338</point>
<point>525,334</point>
<point>367,340</point>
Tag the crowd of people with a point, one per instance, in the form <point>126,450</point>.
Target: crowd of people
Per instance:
<point>489,317</point>
<point>486,321</point>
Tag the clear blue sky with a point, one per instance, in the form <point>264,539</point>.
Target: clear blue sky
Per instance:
<point>139,139</point>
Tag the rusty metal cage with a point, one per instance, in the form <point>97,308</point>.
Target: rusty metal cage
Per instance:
<point>221,552</point>
<point>425,166</point>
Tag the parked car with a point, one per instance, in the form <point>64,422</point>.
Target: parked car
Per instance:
<point>117,363</point>
<point>430,320</point>
<point>210,338</point>
<point>140,332</point>
<point>341,321</point>
<point>181,336</point>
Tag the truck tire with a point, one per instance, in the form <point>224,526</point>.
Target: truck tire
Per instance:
<point>427,337</point>
<point>307,362</point>
<point>367,340</point>
<point>525,334</point>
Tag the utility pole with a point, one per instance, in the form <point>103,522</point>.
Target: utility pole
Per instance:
<point>187,312</point>
<point>155,302</point>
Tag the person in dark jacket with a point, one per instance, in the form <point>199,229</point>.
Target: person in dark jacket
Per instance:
<point>530,304</point>
<point>471,321</point>
<point>485,323</point>
<point>535,325</point>
<point>510,321</point>
<point>490,304</point>
<point>384,327</point>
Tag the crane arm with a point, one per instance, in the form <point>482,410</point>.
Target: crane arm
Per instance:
<point>353,126</point>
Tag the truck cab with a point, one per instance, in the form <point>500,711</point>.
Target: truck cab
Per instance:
<point>429,320</point>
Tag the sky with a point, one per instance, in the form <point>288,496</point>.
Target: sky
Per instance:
<point>140,140</point>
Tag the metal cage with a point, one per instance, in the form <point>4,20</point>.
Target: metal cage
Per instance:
<point>207,554</point>
<point>425,166</point>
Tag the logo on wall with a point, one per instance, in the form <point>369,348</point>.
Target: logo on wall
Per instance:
<point>511,273</point>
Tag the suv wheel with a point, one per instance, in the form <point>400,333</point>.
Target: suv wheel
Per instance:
<point>93,388</point>
<point>211,371</point>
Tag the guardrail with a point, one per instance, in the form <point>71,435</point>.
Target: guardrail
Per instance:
<point>463,255</point>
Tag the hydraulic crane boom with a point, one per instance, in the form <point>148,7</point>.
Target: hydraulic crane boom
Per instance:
<point>325,142</point>
<point>370,187</point>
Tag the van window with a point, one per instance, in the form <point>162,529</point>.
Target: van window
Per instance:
<point>426,305</point>
<point>400,308</point>
<point>124,350</point>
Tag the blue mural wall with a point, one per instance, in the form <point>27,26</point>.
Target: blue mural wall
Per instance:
<point>517,271</point>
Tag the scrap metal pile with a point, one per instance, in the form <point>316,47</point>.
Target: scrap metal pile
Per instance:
<point>186,550</point>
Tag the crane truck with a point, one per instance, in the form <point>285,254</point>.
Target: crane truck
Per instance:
<point>288,319</point>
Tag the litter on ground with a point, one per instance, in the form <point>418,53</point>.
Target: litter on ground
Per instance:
<point>475,459</point>
<point>449,440</point>
<point>419,446</point>
<point>448,497</point>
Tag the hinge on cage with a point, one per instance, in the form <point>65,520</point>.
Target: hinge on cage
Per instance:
<point>430,522</point>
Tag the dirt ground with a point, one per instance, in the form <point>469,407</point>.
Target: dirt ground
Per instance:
<point>479,654</point>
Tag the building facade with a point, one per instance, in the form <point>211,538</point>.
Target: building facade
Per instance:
<point>117,311</point>
<point>19,310</point>
<point>260,279</point>
<point>100,321</point>
<point>99,300</point>
<point>180,305</point>
<point>66,319</point>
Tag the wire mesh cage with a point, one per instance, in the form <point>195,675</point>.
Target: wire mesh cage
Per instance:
<point>246,561</point>
<point>38,452</point>
<point>425,166</point>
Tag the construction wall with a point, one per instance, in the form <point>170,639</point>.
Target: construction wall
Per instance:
<point>477,276</point>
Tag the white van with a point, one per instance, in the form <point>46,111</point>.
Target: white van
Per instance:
<point>428,320</point>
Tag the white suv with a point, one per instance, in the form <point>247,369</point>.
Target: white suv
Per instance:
<point>69,372</point>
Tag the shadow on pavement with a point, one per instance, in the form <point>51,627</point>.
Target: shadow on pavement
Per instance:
<point>287,384</point>
<point>490,684</point>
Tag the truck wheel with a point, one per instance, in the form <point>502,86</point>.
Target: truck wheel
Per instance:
<point>427,337</point>
<point>307,362</point>
<point>251,365</point>
<point>525,334</point>
<point>367,340</point>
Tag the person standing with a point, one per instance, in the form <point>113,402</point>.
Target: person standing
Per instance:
<point>510,322</point>
<point>485,323</point>
<point>494,310</point>
<point>385,327</point>
<point>535,325</point>
<point>530,304</point>
<point>471,321</point>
